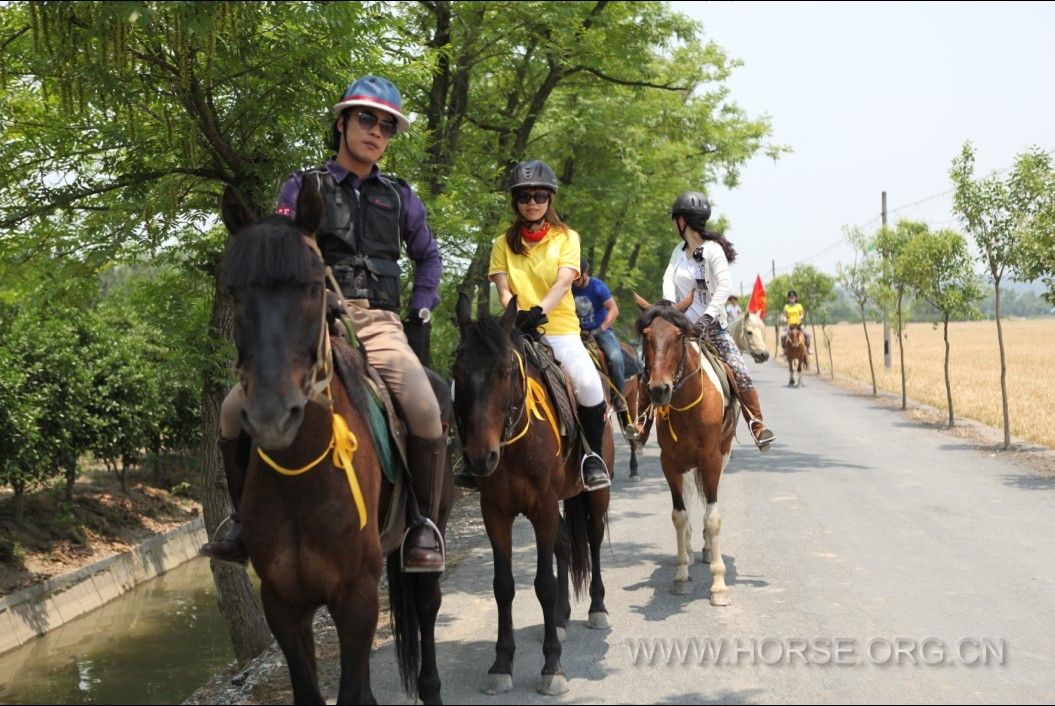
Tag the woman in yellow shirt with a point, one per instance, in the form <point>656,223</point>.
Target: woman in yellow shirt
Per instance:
<point>537,259</point>
<point>793,315</point>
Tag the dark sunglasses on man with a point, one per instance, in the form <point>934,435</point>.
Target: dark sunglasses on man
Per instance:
<point>367,120</point>
<point>527,196</point>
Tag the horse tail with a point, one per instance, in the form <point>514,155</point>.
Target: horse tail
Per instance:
<point>403,619</point>
<point>576,524</point>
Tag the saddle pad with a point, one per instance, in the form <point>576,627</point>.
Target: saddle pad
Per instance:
<point>540,355</point>
<point>715,371</point>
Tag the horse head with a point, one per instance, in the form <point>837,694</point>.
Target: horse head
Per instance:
<point>664,331</point>
<point>749,332</point>
<point>484,384</point>
<point>276,277</point>
<point>795,338</point>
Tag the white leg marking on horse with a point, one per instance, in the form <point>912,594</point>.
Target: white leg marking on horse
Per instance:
<point>712,527</point>
<point>681,526</point>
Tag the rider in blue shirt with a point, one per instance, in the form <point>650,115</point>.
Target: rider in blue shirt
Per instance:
<point>597,311</point>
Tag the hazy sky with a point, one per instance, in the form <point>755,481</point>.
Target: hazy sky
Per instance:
<point>873,97</point>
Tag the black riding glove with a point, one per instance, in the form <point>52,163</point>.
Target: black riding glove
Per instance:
<point>529,321</point>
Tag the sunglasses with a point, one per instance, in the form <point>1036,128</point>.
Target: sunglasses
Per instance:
<point>528,196</point>
<point>367,120</point>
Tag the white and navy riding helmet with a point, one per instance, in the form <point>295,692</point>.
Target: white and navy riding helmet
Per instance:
<point>374,92</point>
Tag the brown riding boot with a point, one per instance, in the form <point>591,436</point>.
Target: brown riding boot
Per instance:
<point>235,454</point>
<point>423,550</point>
<point>752,411</point>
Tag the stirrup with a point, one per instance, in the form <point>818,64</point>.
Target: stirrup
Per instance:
<point>763,446</point>
<point>427,522</point>
<point>582,473</point>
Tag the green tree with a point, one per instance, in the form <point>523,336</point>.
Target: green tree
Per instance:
<point>1000,215</point>
<point>939,269</point>
<point>859,280</point>
<point>893,282</point>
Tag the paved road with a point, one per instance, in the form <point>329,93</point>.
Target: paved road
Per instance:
<point>859,529</point>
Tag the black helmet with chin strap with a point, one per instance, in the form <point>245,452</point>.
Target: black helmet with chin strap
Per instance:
<point>531,173</point>
<point>692,204</point>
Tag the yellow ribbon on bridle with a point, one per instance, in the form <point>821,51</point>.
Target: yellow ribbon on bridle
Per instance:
<point>664,411</point>
<point>344,445</point>
<point>534,398</point>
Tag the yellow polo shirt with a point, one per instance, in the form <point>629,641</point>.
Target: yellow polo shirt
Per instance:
<point>794,313</point>
<point>534,273</point>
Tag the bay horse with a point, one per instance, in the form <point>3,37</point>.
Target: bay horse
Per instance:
<point>695,427</point>
<point>749,333</point>
<point>513,447</point>
<point>795,352</point>
<point>636,404</point>
<point>310,517</point>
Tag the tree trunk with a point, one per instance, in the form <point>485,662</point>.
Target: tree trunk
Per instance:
<point>901,347</point>
<point>816,348</point>
<point>828,345</point>
<point>19,501</point>
<point>238,605</point>
<point>868,342</point>
<point>71,478</point>
<point>1003,370</point>
<point>948,383</point>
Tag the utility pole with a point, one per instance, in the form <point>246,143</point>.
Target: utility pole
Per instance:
<point>886,321</point>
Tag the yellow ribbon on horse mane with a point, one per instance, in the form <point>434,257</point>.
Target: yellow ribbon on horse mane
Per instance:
<point>534,398</point>
<point>344,445</point>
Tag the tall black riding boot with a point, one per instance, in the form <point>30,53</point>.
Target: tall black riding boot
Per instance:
<point>594,474</point>
<point>235,454</point>
<point>423,550</point>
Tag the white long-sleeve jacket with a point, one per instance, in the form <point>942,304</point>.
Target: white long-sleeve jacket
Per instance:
<point>711,280</point>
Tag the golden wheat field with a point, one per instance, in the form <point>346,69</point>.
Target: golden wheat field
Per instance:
<point>974,367</point>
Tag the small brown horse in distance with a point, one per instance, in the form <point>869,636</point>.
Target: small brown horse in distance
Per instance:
<point>314,491</point>
<point>695,427</point>
<point>795,352</point>
<point>512,445</point>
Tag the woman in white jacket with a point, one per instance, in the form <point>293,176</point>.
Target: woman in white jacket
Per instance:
<point>701,262</point>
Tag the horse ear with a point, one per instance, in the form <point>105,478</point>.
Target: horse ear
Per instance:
<point>463,311</point>
<point>510,316</point>
<point>685,303</point>
<point>234,211</point>
<point>641,302</point>
<point>309,206</point>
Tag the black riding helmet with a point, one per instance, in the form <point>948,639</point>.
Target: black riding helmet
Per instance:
<point>531,173</point>
<point>689,204</point>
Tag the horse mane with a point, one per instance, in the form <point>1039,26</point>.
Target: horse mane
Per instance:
<point>271,251</point>
<point>488,339</point>
<point>664,309</point>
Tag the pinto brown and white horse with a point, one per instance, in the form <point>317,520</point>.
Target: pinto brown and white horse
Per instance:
<point>795,352</point>
<point>695,425</point>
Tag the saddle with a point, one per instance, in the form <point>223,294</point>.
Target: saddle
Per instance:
<point>387,428</point>
<point>540,355</point>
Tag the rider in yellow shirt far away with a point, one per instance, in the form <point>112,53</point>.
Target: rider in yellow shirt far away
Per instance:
<point>792,316</point>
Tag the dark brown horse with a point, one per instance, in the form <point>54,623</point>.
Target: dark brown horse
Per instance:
<point>314,491</point>
<point>695,427</point>
<point>795,352</point>
<point>513,446</point>
<point>636,402</point>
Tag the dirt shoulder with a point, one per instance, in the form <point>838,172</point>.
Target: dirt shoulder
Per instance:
<point>1036,457</point>
<point>57,536</point>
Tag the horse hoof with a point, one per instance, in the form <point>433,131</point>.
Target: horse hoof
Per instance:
<point>553,685</point>
<point>721,598</point>
<point>597,621</point>
<point>635,478</point>
<point>682,588</point>
<point>498,684</point>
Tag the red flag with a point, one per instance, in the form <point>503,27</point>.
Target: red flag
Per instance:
<point>758,298</point>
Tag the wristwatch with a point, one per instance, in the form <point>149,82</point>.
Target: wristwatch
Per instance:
<point>425,314</point>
